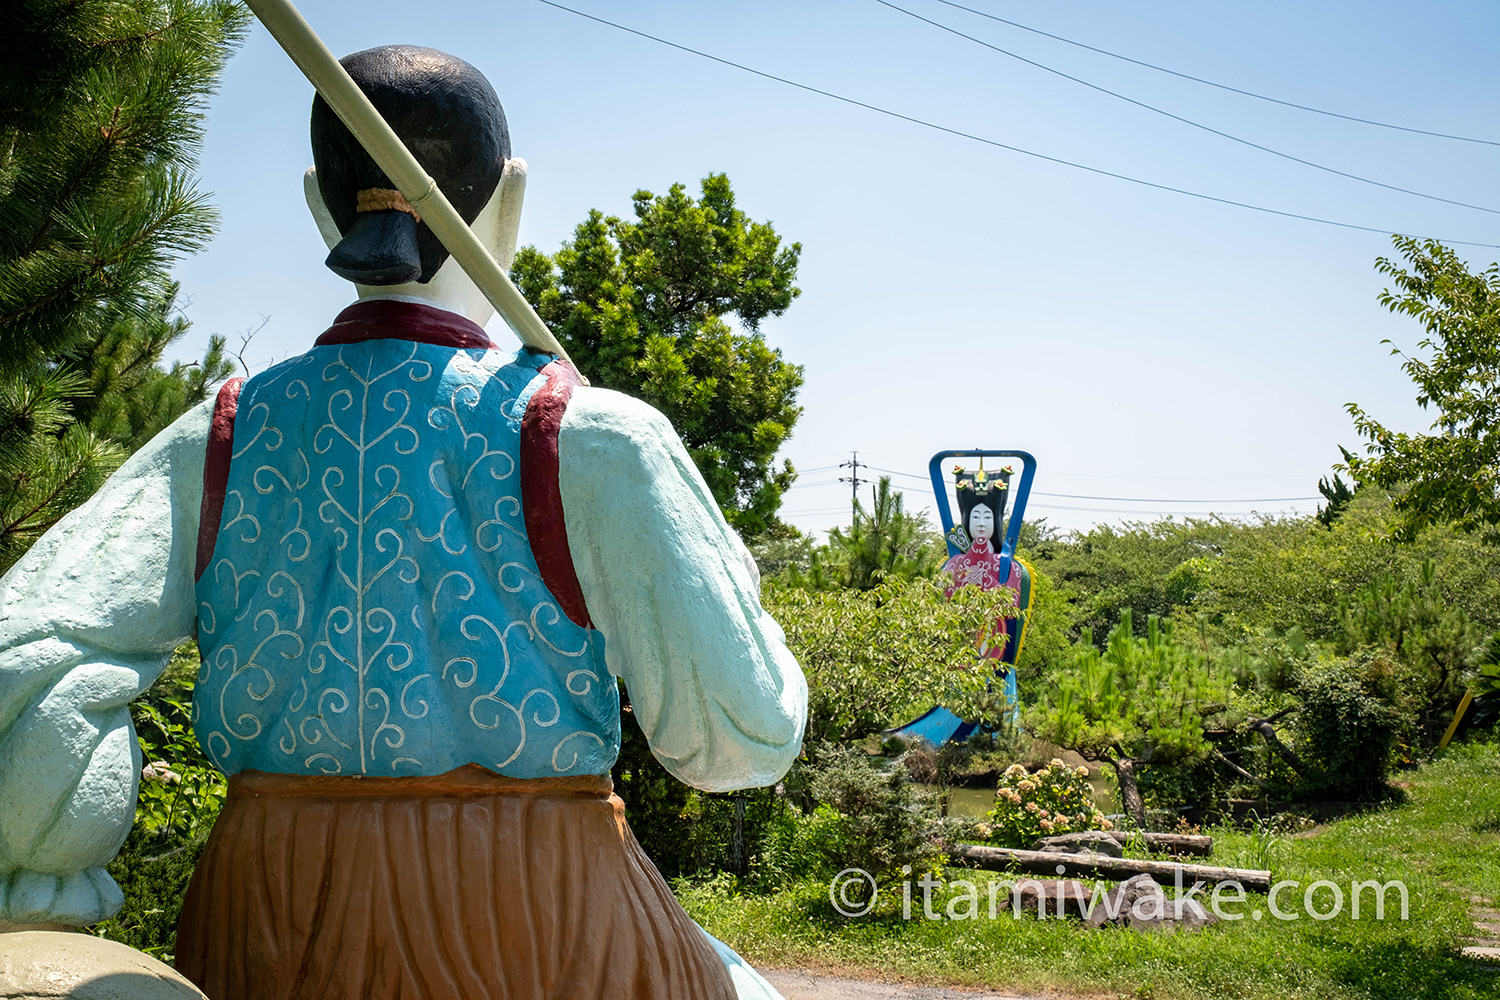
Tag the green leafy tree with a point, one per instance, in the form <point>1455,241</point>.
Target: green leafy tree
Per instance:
<point>1142,701</point>
<point>881,542</point>
<point>1453,473</point>
<point>784,554</point>
<point>101,107</point>
<point>1147,568</point>
<point>1338,494</point>
<point>1348,727</point>
<point>1286,573</point>
<point>874,657</point>
<point>643,305</point>
<point>1049,625</point>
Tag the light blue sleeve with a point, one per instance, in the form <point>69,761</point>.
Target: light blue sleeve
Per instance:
<point>748,984</point>
<point>717,693</point>
<point>88,617</point>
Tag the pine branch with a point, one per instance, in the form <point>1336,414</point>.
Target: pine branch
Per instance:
<point>98,158</point>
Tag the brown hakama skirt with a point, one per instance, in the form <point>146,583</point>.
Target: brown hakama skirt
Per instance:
<point>463,886</point>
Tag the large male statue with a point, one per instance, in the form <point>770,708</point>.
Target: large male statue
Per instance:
<point>416,568</point>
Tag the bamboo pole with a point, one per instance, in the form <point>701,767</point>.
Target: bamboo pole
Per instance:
<point>1100,866</point>
<point>1458,716</point>
<point>307,50</point>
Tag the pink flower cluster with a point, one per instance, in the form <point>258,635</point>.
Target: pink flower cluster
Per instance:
<point>1056,799</point>
<point>158,770</point>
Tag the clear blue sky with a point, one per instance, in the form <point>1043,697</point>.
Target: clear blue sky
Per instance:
<point>1139,343</point>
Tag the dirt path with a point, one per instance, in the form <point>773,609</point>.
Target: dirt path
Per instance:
<point>805,986</point>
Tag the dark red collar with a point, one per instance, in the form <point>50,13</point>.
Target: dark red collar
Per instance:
<point>387,319</point>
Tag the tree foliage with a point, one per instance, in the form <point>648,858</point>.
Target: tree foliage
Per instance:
<point>1291,572</point>
<point>884,541</point>
<point>1431,645</point>
<point>68,423</point>
<point>1049,633</point>
<point>1146,568</point>
<point>1348,729</point>
<point>101,108</point>
<point>1338,494</point>
<point>643,306</point>
<point>880,543</point>
<point>1141,701</point>
<point>873,657</point>
<point>1453,473</point>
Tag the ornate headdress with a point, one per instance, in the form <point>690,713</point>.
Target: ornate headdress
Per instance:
<point>973,489</point>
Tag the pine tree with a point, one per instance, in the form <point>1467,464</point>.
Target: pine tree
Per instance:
<point>101,108</point>
<point>1142,701</point>
<point>884,541</point>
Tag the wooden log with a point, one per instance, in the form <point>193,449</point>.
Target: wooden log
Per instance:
<point>1172,843</point>
<point>1098,866</point>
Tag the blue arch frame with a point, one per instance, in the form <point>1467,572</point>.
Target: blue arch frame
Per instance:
<point>1017,507</point>
<point>939,725</point>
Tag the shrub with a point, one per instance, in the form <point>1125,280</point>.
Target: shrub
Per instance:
<point>154,880</point>
<point>1142,702</point>
<point>802,847</point>
<point>1349,731</point>
<point>1429,641</point>
<point>1055,800</point>
<point>883,823</point>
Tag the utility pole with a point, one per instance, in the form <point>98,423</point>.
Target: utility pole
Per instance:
<point>853,479</point>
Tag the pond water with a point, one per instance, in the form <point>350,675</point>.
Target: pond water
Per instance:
<point>972,803</point>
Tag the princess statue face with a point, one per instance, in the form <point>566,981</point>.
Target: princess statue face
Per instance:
<point>981,522</point>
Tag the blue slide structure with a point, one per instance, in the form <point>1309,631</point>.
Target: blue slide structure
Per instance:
<point>938,725</point>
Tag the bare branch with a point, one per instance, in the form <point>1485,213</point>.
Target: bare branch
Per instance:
<point>1238,770</point>
<point>245,337</point>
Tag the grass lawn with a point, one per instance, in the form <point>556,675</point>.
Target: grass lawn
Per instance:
<point>1444,844</point>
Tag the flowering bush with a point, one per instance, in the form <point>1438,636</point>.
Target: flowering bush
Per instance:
<point>1054,800</point>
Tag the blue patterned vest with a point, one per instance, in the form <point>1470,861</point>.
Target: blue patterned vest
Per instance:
<point>371,603</point>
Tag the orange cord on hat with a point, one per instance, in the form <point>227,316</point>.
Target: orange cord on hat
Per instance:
<point>384,200</point>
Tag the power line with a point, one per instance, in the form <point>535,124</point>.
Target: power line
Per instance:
<point>1084,496</point>
<point>1186,121</point>
<point>994,142</point>
<point>893,472</point>
<point>1133,478</point>
<point>1222,86</point>
<point>1170,513</point>
<point>1079,496</point>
